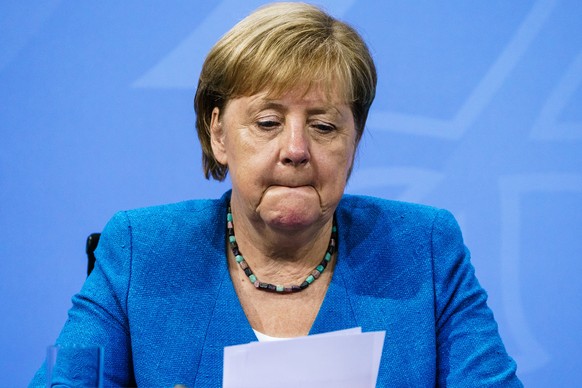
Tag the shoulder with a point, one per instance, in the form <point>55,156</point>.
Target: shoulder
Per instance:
<point>176,214</point>
<point>194,219</point>
<point>370,211</point>
<point>154,240</point>
<point>392,230</point>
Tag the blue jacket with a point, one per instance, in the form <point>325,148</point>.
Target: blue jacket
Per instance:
<point>161,301</point>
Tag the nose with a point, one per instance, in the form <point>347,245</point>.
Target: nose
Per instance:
<point>295,145</point>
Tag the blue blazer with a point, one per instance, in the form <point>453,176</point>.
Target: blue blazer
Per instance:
<point>161,301</point>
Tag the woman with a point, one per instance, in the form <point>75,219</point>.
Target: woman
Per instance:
<point>281,105</point>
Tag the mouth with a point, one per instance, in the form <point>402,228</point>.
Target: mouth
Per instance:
<point>289,189</point>
<point>292,182</point>
<point>292,188</point>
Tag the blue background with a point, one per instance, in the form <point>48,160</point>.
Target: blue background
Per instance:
<point>478,111</point>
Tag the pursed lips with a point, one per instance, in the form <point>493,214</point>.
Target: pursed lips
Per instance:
<point>291,182</point>
<point>291,185</point>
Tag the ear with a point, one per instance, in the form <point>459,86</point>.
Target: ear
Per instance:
<point>217,135</point>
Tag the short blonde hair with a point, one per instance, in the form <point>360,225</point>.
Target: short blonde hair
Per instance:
<point>276,48</point>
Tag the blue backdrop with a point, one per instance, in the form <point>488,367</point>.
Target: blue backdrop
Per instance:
<point>478,111</point>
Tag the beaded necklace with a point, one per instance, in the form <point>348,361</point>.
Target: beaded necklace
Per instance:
<point>272,287</point>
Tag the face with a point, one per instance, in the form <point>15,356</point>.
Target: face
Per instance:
<point>288,157</point>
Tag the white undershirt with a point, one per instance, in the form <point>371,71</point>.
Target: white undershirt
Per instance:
<point>267,338</point>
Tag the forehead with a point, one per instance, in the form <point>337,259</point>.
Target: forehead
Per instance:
<point>324,92</point>
<point>308,93</point>
<point>313,98</point>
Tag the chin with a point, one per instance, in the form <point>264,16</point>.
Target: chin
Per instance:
<point>290,208</point>
<point>293,220</point>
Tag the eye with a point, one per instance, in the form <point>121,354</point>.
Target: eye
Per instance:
<point>323,127</point>
<point>268,124</point>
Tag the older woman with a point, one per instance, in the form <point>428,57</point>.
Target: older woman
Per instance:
<point>281,106</point>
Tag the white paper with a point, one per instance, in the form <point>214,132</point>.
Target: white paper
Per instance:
<point>347,358</point>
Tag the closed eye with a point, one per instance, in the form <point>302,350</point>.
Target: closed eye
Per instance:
<point>268,124</point>
<point>324,127</point>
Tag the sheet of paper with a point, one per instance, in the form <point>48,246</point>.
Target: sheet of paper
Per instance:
<point>347,358</point>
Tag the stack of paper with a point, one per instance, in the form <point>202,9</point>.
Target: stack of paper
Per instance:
<point>347,358</point>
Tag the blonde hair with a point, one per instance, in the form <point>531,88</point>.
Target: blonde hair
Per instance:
<point>276,48</point>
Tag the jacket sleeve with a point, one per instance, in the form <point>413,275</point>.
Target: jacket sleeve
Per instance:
<point>470,352</point>
<point>99,312</point>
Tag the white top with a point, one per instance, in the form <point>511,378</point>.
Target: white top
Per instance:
<point>267,338</point>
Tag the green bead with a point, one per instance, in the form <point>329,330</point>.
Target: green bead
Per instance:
<point>253,278</point>
<point>229,217</point>
<point>310,279</point>
<point>327,256</point>
<point>334,229</point>
<point>280,289</point>
<point>231,239</point>
<point>239,258</point>
<point>320,268</point>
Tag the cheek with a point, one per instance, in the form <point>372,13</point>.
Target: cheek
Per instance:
<point>248,164</point>
<point>337,167</point>
<point>238,151</point>
<point>346,157</point>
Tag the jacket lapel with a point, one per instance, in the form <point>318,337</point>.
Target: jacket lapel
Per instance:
<point>228,326</point>
<point>336,311</point>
